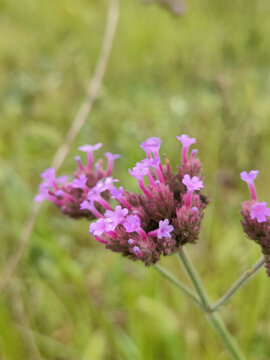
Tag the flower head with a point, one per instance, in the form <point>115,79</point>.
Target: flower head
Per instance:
<point>260,212</point>
<point>193,183</point>
<point>160,219</point>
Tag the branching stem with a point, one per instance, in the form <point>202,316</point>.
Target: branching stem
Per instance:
<point>166,274</point>
<point>213,317</point>
<point>238,284</point>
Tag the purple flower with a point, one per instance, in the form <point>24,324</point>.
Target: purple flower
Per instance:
<point>89,149</point>
<point>49,176</point>
<point>111,157</point>
<point>130,241</point>
<point>116,193</point>
<point>151,145</point>
<point>79,162</point>
<point>108,183</point>
<point>186,142</point>
<point>86,205</point>
<point>193,183</point>
<point>62,179</point>
<point>164,229</point>
<point>132,223</point>
<point>116,217</point>
<point>249,177</point>
<point>100,227</point>
<point>80,183</point>
<point>259,211</point>
<point>139,171</point>
<point>43,192</point>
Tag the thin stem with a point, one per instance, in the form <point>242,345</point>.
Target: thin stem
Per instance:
<point>194,278</point>
<point>225,337</point>
<point>213,317</point>
<point>239,283</point>
<point>165,273</point>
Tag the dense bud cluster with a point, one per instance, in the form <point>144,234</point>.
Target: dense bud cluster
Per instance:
<point>164,216</point>
<point>72,195</point>
<point>256,218</point>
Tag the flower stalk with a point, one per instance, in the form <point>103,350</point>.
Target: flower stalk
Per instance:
<point>239,283</point>
<point>167,275</point>
<point>213,317</point>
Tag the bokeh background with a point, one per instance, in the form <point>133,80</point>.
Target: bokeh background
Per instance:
<point>205,74</point>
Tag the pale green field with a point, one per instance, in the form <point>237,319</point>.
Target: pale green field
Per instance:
<point>205,74</point>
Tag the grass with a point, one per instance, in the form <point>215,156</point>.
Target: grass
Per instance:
<point>205,74</point>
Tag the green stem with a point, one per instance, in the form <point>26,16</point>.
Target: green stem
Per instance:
<point>213,317</point>
<point>239,283</point>
<point>178,284</point>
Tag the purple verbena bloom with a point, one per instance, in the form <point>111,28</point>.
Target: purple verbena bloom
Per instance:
<point>111,157</point>
<point>80,183</point>
<point>139,171</point>
<point>249,179</point>
<point>132,223</point>
<point>260,212</point>
<point>186,142</point>
<point>152,144</point>
<point>62,179</point>
<point>49,177</point>
<point>89,149</point>
<point>193,183</point>
<point>43,192</point>
<point>164,229</point>
<point>157,219</point>
<point>116,193</point>
<point>108,183</point>
<point>100,227</point>
<point>117,216</point>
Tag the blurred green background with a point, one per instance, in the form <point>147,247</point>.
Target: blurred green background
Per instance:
<point>205,74</point>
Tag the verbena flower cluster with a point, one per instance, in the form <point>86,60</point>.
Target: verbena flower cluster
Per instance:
<point>256,218</point>
<point>165,214</point>
<point>74,196</point>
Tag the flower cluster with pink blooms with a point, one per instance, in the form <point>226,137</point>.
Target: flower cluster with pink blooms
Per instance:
<point>256,217</point>
<point>165,215</point>
<point>75,196</point>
